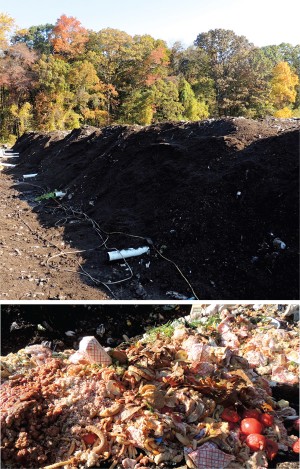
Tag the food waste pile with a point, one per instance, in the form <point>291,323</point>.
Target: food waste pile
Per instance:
<point>196,393</point>
<point>220,198</point>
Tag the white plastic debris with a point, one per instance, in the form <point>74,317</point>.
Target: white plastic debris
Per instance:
<point>8,165</point>
<point>70,333</point>
<point>124,253</point>
<point>278,244</point>
<point>59,193</point>
<point>33,175</point>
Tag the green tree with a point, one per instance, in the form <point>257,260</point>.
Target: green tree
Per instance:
<point>155,103</point>
<point>90,94</point>
<point>166,101</point>
<point>138,107</point>
<point>255,75</point>
<point>193,109</point>
<point>36,38</point>
<point>52,74</point>
<point>22,117</point>
<point>54,102</point>
<point>224,53</point>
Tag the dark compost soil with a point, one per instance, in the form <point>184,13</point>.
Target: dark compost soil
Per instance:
<point>211,196</point>
<point>23,325</point>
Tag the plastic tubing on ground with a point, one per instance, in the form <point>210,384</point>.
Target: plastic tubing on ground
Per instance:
<point>124,253</point>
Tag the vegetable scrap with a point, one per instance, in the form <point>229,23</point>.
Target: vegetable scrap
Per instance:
<point>188,393</point>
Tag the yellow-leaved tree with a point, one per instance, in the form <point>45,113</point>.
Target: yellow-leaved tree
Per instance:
<point>283,92</point>
<point>7,23</point>
<point>22,117</point>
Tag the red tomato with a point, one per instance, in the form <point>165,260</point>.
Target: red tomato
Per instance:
<point>251,413</point>
<point>266,419</point>
<point>89,438</point>
<point>271,449</point>
<point>251,425</point>
<point>256,442</point>
<point>296,446</point>
<point>230,415</point>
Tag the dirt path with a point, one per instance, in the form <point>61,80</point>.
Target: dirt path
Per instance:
<point>25,248</point>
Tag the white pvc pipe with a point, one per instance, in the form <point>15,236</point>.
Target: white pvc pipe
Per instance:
<point>124,253</point>
<point>25,176</point>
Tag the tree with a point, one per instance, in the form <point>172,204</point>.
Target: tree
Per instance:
<point>156,64</point>
<point>53,100</point>
<point>255,75</point>
<point>55,111</point>
<point>52,74</point>
<point>68,37</point>
<point>110,51</point>
<point>283,92</point>
<point>127,63</point>
<point>193,109</point>
<point>35,38</point>
<point>138,107</point>
<point>224,52</point>
<point>285,52</point>
<point>17,78</point>
<point>90,94</point>
<point>7,24</point>
<point>166,101</point>
<point>156,103</point>
<point>22,117</point>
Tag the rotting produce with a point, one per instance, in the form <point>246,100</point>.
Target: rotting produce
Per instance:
<point>185,393</point>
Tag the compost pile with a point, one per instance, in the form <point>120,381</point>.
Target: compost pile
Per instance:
<point>178,395</point>
<point>220,198</point>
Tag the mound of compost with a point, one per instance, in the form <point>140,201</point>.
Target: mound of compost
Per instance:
<point>213,196</point>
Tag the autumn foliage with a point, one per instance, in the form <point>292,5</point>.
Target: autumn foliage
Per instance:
<point>63,76</point>
<point>68,37</point>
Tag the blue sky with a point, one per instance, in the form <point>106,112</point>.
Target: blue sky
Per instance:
<point>263,22</point>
